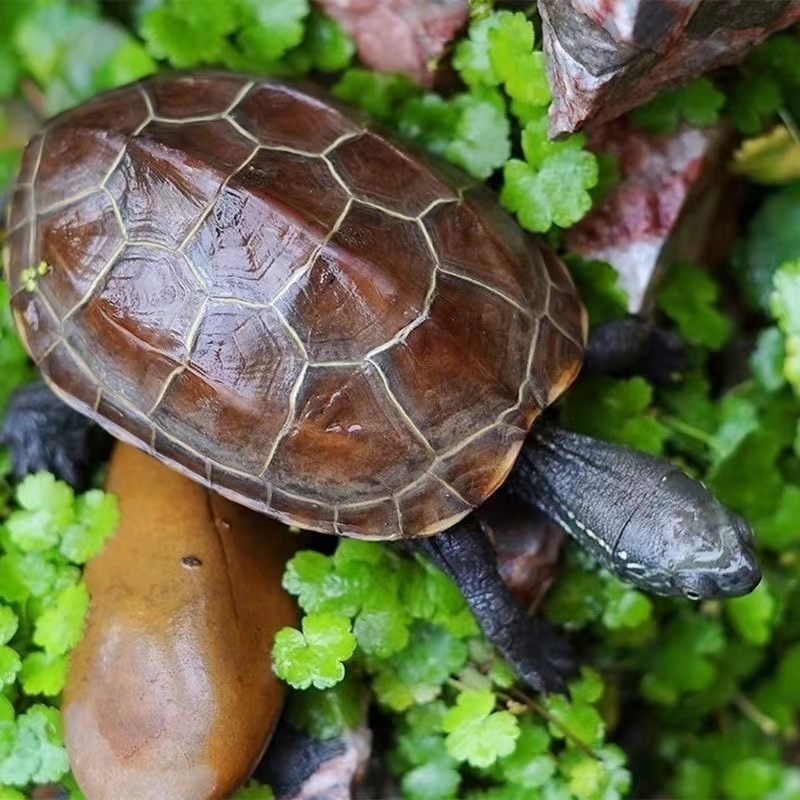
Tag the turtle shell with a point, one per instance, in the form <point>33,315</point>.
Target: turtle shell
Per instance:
<point>255,285</point>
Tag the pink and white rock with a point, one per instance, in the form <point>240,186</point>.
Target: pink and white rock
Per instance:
<point>661,210</point>
<point>405,36</point>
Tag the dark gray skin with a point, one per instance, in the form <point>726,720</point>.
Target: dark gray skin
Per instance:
<point>661,531</point>
<point>644,520</point>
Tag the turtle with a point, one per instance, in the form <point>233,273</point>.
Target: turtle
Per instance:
<point>263,289</point>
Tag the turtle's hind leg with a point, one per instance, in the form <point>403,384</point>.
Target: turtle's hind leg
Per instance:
<point>632,346</point>
<point>41,432</point>
<point>533,647</point>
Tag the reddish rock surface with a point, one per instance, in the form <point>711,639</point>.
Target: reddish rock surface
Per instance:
<point>608,56</point>
<point>528,546</point>
<point>661,209</point>
<point>400,35</point>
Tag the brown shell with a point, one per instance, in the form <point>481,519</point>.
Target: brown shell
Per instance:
<point>251,283</point>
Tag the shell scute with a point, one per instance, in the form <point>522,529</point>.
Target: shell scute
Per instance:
<point>78,242</point>
<point>428,504</point>
<point>477,239</point>
<point>81,147</point>
<point>266,225</point>
<point>192,96</point>
<point>347,441</point>
<point>378,171</point>
<point>470,468</point>
<point>169,176</point>
<point>302,511</point>
<point>37,323</point>
<point>126,422</point>
<point>362,289</point>
<point>277,115</point>
<point>62,365</point>
<point>234,388</point>
<point>152,295</point>
<point>470,346</point>
<point>378,519</point>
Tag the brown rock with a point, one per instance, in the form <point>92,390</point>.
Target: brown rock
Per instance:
<point>171,694</point>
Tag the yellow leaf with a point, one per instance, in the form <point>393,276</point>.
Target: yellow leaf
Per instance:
<point>773,158</point>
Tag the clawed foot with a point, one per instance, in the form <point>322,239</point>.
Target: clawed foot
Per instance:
<point>631,346</point>
<point>538,653</point>
<point>532,646</point>
<point>43,433</point>
<point>665,359</point>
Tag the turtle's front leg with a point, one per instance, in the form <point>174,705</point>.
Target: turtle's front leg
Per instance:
<point>532,646</point>
<point>41,432</point>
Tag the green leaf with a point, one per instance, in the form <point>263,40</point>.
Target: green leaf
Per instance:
<point>689,297</point>
<point>751,777</point>
<point>97,516</point>
<point>748,481</point>
<point>37,753</point>
<point>472,58</point>
<point>378,93</point>
<point>382,632</point>
<point>60,627</point>
<point>189,32</point>
<point>752,101</point>
<point>74,53</point>
<point>327,713</point>
<point>754,615</point>
<point>626,608</point>
<point>43,673</point>
<point>430,595</point>
<point>9,623</point>
<point>580,719</point>
<point>436,779</point>
<point>47,508</point>
<point>767,359</point>
<point>513,61</point>
<point>24,574</point>
<point>530,764</point>
<point>738,418</point>
<point>319,587</point>
<point>599,289</point>
<point>9,70</point>
<point>480,142</point>
<point>772,238</point>
<point>587,688</point>
<point>253,791</point>
<point>785,299</point>
<point>615,410</point>
<point>698,103</point>
<point>10,665</point>
<point>781,530</point>
<point>551,186</point>
<point>431,657</point>
<point>476,734</point>
<point>602,777</point>
<point>331,48</point>
<point>314,656</point>
<point>682,660</point>
<point>271,29</point>
<point>785,306</point>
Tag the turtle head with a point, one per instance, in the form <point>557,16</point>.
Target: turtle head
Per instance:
<point>683,541</point>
